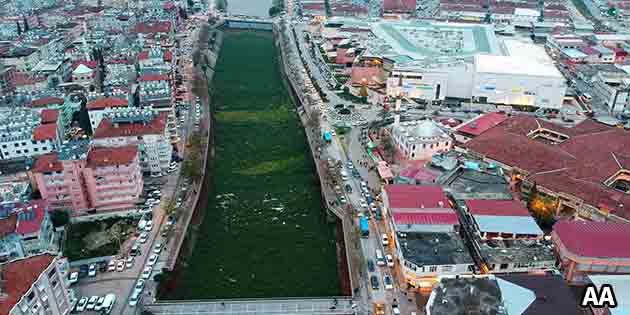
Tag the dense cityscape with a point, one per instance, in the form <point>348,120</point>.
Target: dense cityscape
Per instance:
<point>416,157</point>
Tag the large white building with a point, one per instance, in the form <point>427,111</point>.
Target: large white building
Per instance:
<point>36,285</point>
<point>433,61</point>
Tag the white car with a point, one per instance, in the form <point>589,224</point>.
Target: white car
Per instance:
<point>91,304</point>
<point>149,226</point>
<point>74,277</point>
<point>82,304</point>
<point>120,266</point>
<point>111,266</point>
<point>363,203</point>
<point>152,260</point>
<point>387,282</point>
<point>99,303</point>
<point>144,236</point>
<point>385,240</point>
<point>139,285</point>
<point>133,300</point>
<point>157,248</point>
<point>146,273</point>
<point>395,310</point>
<point>390,260</point>
<point>92,270</point>
<point>129,262</point>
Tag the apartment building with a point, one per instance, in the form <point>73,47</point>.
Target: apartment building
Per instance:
<point>66,107</point>
<point>144,128</point>
<point>102,106</point>
<point>36,285</point>
<point>89,180</point>
<point>22,134</point>
<point>25,229</point>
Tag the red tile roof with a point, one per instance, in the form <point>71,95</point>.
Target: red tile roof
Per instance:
<point>448,217</point>
<point>153,77</point>
<point>47,163</point>
<point>112,156</point>
<point>42,102</point>
<point>482,124</point>
<point>26,227</point>
<point>153,27</point>
<point>415,197</point>
<point>497,208</point>
<point>49,116</point>
<point>7,225</point>
<point>107,129</point>
<point>168,5</point>
<point>107,102</point>
<point>563,167</point>
<point>45,132</point>
<point>594,239</point>
<point>399,5</point>
<point>19,276</point>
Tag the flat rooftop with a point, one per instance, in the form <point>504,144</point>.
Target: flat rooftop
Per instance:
<point>472,184</point>
<point>515,251</point>
<point>435,249</point>
<point>455,296</point>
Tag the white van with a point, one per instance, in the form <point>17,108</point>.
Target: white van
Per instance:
<point>109,302</point>
<point>135,296</point>
<point>344,175</point>
<point>380,260</point>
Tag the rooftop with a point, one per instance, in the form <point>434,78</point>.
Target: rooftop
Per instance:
<point>42,102</point>
<point>482,123</point>
<point>514,65</point>
<point>420,131</point>
<point>49,116</point>
<point>415,197</point>
<point>99,157</point>
<point>45,132</point>
<point>467,295</point>
<point>473,184</point>
<point>428,216</point>
<point>621,286</point>
<point>434,249</point>
<point>74,150</point>
<point>562,167</point>
<point>594,239</point>
<point>516,251</point>
<point>553,296</point>
<point>107,102</point>
<point>19,276</point>
<point>496,207</point>
<point>155,125</point>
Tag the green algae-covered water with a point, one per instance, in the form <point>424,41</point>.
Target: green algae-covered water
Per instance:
<point>265,233</point>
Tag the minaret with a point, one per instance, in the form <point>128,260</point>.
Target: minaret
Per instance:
<point>86,50</point>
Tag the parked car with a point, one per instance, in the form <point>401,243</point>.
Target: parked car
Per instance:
<point>387,282</point>
<point>99,303</point>
<point>111,266</point>
<point>157,248</point>
<point>82,304</point>
<point>120,266</point>
<point>370,265</point>
<point>149,226</point>
<point>92,270</point>
<point>74,277</point>
<point>374,282</point>
<point>129,262</point>
<point>390,260</point>
<point>152,260</point>
<point>91,304</point>
<point>133,299</point>
<point>139,285</point>
<point>146,273</point>
<point>385,240</point>
<point>144,236</point>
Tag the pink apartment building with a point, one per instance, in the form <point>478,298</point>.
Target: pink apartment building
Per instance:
<point>87,179</point>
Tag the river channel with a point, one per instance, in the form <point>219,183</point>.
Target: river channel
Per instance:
<point>265,232</point>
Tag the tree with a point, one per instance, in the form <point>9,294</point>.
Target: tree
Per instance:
<point>191,168</point>
<point>59,217</point>
<point>313,120</point>
<point>19,28</point>
<point>389,148</point>
<point>170,208</point>
<point>327,8</point>
<point>543,207</point>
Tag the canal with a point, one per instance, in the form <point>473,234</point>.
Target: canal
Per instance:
<point>249,7</point>
<point>265,232</point>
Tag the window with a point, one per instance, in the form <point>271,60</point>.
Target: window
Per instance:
<point>18,151</point>
<point>51,274</point>
<point>503,266</point>
<point>447,268</point>
<point>432,268</point>
<point>4,146</point>
<point>30,297</point>
<point>24,143</point>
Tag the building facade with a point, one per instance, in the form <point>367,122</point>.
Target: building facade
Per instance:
<point>36,285</point>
